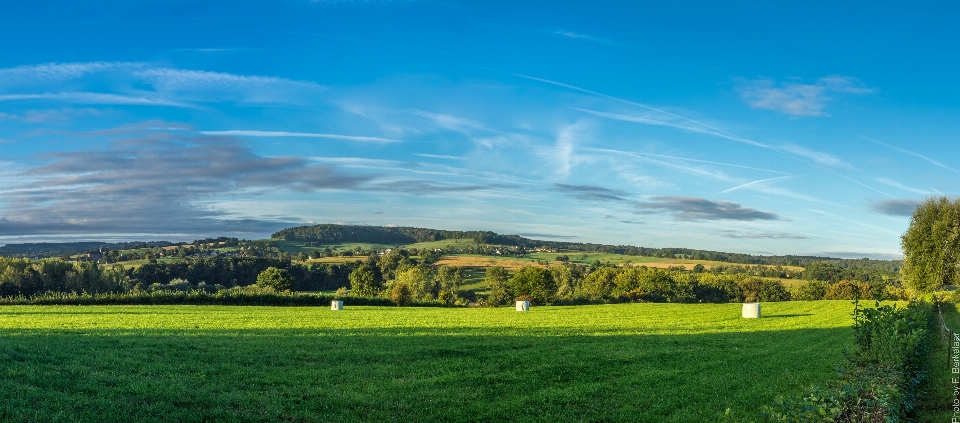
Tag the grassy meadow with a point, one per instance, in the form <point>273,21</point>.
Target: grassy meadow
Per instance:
<point>939,401</point>
<point>623,362</point>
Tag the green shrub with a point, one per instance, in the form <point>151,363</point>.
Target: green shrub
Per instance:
<point>882,378</point>
<point>277,279</point>
<point>848,290</point>
<point>756,289</point>
<point>496,278</point>
<point>811,291</point>
<point>535,282</point>
<point>250,295</point>
<point>401,294</point>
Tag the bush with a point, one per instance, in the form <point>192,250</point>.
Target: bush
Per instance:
<point>881,380</point>
<point>277,279</point>
<point>756,289</point>
<point>714,289</point>
<point>811,291</point>
<point>250,295</point>
<point>401,294</point>
<point>496,278</point>
<point>534,282</point>
<point>363,281</point>
<point>848,290</point>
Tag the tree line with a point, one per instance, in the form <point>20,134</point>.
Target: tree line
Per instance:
<point>30,277</point>
<point>569,284</point>
<point>400,277</point>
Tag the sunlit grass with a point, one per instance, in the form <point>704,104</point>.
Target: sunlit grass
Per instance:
<point>624,362</point>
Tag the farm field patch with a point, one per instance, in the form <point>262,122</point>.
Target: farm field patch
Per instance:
<point>623,362</point>
<point>513,263</point>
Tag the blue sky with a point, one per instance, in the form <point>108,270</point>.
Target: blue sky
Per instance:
<point>757,127</point>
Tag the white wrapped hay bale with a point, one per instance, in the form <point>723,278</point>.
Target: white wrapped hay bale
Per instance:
<point>751,310</point>
<point>523,305</point>
<point>336,305</point>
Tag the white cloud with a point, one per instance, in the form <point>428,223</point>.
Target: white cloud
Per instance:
<point>217,86</point>
<point>576,35</point>
<point>52,115</point>
<point>818,157</point>
<point>800,99</point>
<point>911,153</point>
<point>896,184</point>
<point>244,133</point>
<point>562,152</point>
<point>452,123</point>
<point>52,73</point>
<point>97,98</point>
<point>439,156</point>
<point>477,132</point>
<point>85,82</point>
<point>752,183</point>
<point>660,118</point>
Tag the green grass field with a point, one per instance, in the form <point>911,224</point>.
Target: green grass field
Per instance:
<point>625,362</point>
<point>939,398</point>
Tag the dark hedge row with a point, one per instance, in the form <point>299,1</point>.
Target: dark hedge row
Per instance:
<point>246,297</point>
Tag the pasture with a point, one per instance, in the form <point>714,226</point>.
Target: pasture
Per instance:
<point>623,362</point>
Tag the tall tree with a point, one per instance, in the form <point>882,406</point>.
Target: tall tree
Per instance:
<point>418,280</point>
<point>496,278</point>
<point>536,282</point>
<point>363,282</point>
<point>448,281</point>
<point>278,279</point>
<point>931,245</point>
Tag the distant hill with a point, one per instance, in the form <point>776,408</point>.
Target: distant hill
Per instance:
<point>58,249</point>
<point>331,233</point>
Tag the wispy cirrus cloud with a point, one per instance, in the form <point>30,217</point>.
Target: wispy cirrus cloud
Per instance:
<point>439,156</point>
<point>801,154</point>
<point>685,159</point>
<point>98,98</point>
<point>752,184</point>
<point>246,133</point>
<point>53,73</point>
<point>818,157</point>
<point>562,152</point>
<point>205,86</point>
<point>703,127</point>
<point>581,36</point>
<point>477,132</point>
<point>453,123</point>
<point>660,118</point>
<point>127,83</point>
<point>911,153</point>
<point>51,115</point>
<point>895,184</point>
<point>799,99</point>
<point>693,208</point>
<point>896,207</point>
